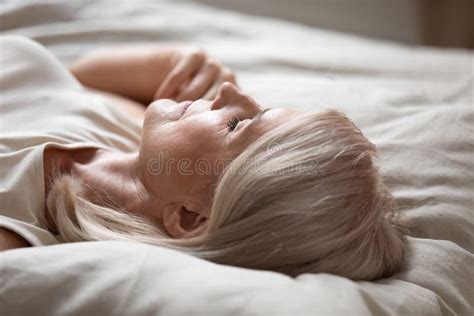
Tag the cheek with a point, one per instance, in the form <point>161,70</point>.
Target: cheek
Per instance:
<point>180,156</point>
<point>193,138</point>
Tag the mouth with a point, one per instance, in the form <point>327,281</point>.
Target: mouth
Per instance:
<point>186,105</point>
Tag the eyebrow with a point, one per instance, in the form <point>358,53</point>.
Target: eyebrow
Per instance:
<point>258,117</point>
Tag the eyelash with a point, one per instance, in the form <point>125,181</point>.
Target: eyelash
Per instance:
<point>232,124</point>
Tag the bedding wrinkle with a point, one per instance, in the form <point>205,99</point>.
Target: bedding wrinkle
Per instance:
<point>130,289</point>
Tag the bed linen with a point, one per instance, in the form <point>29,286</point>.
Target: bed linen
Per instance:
<point>414,103</point>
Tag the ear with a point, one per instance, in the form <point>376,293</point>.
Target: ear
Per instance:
<point>182,223</point>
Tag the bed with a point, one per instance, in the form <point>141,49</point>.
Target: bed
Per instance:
<point>415,103</point>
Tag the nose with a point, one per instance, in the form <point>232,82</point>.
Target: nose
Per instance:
<point>230,95</point>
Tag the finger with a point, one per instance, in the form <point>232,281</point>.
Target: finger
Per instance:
<point>226,76</point>
<point>201,82</point>
<point>184,70</point>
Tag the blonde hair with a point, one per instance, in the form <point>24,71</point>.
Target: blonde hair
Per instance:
<point>305,197</point>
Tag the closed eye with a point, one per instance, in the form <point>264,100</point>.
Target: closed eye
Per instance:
<point>232,124</point>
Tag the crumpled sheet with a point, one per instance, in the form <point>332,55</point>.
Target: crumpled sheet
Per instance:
<point>414,103</point>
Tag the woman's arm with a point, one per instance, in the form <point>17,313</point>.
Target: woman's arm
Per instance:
<point>11,240</point>
<point>148,73</point>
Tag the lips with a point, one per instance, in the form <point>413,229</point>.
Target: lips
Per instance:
<point>186,105</point>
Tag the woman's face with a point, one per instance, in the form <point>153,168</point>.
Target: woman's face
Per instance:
<point>185,147</point>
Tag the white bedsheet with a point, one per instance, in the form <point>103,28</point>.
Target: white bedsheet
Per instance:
<point>416,104</point>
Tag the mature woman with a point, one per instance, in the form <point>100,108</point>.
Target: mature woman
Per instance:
<point>203,169</point>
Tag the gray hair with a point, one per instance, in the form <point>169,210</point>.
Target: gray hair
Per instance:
<point>306,197</point>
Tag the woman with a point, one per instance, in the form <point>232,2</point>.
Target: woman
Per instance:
<point>211,172</point>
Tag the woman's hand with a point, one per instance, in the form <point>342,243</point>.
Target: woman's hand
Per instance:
<point>195,76</point>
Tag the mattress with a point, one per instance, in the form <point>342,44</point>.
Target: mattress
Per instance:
<point>414,103</point>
